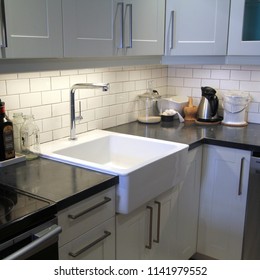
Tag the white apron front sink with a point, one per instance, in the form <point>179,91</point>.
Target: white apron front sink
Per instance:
<point>146,167</point>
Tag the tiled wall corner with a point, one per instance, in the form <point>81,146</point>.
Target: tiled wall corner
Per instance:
<point>188,79</point>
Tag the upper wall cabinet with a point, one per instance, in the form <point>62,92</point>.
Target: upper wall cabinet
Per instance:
<point>31,29</point>
<point>110,27</point>
<point>244,29</point>
<point>196,27</point>
<point>88,27</point>
<point>144,27</point>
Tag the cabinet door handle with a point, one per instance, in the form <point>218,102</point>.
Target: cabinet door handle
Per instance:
<point>120,7</point>
<point>157,240</point>
<point>75,216</point>
<point>240,176</point>
<point>172,31</point>
<point>3,36</point>
<point>149,246</point>
<point>130,7</point>
<point>87,247</point>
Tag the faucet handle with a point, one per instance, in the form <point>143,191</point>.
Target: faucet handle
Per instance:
<point>79,117</point>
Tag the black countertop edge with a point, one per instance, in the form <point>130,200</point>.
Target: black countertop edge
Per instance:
<point>229,144</point>
<point>77,197</point>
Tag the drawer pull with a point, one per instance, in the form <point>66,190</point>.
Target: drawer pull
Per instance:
<point>157,240</point>
<point>240,176</point>
<point>87,247</point>
<point>75,216</point>
<point>149,246</point>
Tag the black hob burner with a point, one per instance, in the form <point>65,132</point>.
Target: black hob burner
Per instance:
<point>20,210</point>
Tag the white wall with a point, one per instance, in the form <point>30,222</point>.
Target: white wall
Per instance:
<point>46,96</point>
<point>187,80</point>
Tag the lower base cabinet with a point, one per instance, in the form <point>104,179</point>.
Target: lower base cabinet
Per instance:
<point>188,206</point>
<point>88,228</point>
<point>96,244</point>
<point>224,185</point>
<point>149,232</point>
<point>165,228</point>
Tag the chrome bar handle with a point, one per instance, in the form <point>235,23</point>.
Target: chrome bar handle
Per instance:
<point>42,239</point>
<point>240,176</point>
<point>149,246</point>
<point>157,240</point>
<point>120,6</point>
<point>3,35</point>
<point>130,6</point>
<point>87,247</point>
<point>172,31</point>
<point>76,216</point>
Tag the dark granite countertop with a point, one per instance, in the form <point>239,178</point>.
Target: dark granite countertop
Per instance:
<point>62,183</point>
<point>66,184</point>
<point>247,138</point>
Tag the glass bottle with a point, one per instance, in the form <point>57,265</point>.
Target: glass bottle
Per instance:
<point>30,138</point>
<point>7,150</point>
<point>17,124</point>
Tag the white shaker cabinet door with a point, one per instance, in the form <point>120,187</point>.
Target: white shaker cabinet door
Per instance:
<point>33,29</point>
<point>188,206</point>
<point>224,185</point>
<point>196,27</point>
<point>88,27</point>
<point>144,27</point>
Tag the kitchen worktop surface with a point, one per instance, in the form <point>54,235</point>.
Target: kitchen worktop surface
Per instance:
<point>66,184</point>
<point>62,183</point>
<point>247,138</point>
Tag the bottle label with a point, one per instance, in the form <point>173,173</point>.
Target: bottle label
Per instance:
<point>8,138</point>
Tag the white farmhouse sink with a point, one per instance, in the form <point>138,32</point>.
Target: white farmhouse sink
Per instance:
<point>146,167</point>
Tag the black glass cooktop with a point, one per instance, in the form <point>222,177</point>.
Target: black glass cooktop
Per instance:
<point>20,211</point>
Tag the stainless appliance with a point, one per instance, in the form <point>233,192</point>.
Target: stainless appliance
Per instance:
<point>28,226</point>
<point>208,107</point>
<point>251,244</point>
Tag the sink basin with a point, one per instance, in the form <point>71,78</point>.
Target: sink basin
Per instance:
<point>146,167</point>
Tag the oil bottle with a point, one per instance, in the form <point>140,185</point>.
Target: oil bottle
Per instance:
<point>7,150</point>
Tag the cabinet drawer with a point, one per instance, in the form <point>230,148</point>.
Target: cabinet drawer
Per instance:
<point>85,215</point>
<point>96,244</point>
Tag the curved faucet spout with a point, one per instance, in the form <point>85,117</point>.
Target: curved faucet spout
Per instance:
<point>103,86</point>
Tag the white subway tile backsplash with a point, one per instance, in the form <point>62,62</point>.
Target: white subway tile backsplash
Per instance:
<point>2,88</point>
<point>17,86</point>
<point>50,97</point>
<point>250,86</point>
<point>31,99</point>
<point>12,102</point>
<point>229,85</point>
<point>60,82</point>
<point>40,84</point>
<point>255,76</point>
<point>220,74</point>
<point>46,94</point>
<point>42,112</point>
<point>240,75</point>
<point>51,124</point>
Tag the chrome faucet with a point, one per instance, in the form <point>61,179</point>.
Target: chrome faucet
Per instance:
<point>104,87</point>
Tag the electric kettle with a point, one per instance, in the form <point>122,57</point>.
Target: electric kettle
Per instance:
<point>208,107</point>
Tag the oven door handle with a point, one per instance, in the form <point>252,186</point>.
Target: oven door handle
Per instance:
<point>43,239</point>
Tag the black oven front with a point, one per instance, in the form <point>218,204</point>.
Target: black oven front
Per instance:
<point>39,243</point>
<point>28,226</point>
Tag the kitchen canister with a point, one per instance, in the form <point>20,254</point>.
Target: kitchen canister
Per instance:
<point>147,107</point>
<point>234,105</point>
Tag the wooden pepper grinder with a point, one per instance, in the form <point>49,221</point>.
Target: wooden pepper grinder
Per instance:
<point>190,111</point>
